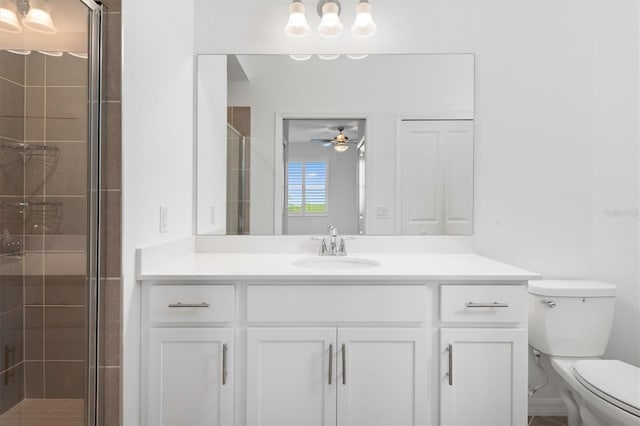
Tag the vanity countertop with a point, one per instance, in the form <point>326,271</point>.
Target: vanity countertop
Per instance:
<point>268,266</point>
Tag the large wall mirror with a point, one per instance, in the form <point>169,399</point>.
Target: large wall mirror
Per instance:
<point>376,145</point>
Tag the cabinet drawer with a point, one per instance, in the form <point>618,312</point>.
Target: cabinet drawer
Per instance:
<point>338,303</point>
<point>192,303</point>
<point>483,303</point>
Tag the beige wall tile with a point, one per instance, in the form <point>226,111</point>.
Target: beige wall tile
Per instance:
<point>66,70</point>
<point>67,173</point>
<point>34,333</point>
<point>64,379</point>
<point>109,414</point>
<point>111,238</point>
<point>11,110</point>
<point>112,146</point>
<point>66,114</point>
<point>64,333</point>
<point>34,120</point>
<point>12,66</point>
<point>10,292</point>
<point>34,379</point>
<point>112,52</point>
<point>12,336</point>
<point>65,289</point>
<point>35,69</point>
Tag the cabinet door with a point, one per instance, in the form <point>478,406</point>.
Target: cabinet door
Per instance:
<point>383,376</point>
<point>291,376</point>
<point>186,376</point>
<point>483,377</point>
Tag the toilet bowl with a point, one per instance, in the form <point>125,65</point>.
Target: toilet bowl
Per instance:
<point>570,321</point>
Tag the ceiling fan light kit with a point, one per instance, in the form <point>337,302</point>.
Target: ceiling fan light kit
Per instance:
<point>330,25</point>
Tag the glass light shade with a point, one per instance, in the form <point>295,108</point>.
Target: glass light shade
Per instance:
<point>51,53</point>
<point>8,17</point>
<point>39,17</point>
<point>357,56</point>
<point>341,147</point>
<point>20,52</point>
<point>363,25</point>
<point>330,57</point>
<point>300,58</point>
<point>330,26</point>
<point>79,55</point>
<point>297,25</point>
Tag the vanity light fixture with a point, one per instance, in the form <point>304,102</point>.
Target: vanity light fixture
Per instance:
<point>357,56</point>
<point>297,25</point>
<point>36,16</point>
<point>9,17</point>
<point>39,17</point>
<point>79,55</point>
<point>19,52</point>
<point>330,26</point>
<point>363,25</point>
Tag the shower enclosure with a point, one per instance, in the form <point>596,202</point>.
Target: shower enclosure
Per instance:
<point>49,211</point>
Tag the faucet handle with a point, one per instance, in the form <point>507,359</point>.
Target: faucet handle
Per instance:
<point>342,251</point>
<point>323,248</point>
<point>333,231</point>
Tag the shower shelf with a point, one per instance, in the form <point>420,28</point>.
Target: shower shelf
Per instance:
<point>23,147</point>
<point>32,205</point>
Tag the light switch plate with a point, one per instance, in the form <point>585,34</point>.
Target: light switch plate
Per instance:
<point>382,212</point>
<point>164,219</point>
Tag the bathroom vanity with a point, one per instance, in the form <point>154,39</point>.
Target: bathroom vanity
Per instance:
<point>369,339</point>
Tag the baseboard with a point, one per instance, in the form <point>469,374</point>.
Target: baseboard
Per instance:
<point>547,407</point>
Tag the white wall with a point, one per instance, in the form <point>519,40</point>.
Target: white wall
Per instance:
<point>538,77</point>
<point>378,88</point>
<point>615,167</point>
<point>211,154</point>
<point>556,121</point>
<point>157,151</point>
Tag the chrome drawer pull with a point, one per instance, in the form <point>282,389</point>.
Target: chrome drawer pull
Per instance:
<point>450,350</point>
<point>330,363</point>
<point>224,365</point>
<point>189,305</point>
<point>487,305</point>
<point>344,364</point>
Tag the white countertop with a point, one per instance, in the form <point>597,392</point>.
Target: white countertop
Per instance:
<point>195,266</point>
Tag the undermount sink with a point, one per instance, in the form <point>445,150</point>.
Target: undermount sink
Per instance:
<point>335,263</point>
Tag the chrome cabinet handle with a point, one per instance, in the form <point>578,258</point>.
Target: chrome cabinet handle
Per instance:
<point>330,363</point>
<point>450,350</point>
<point>189,305</point>
<point>224,365</point>
<point>487,305</point>
<point>344,364</point>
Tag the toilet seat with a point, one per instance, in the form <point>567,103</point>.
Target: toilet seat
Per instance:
<point>614,381</point>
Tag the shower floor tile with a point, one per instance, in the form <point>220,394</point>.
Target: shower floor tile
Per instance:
<point>50,412</point>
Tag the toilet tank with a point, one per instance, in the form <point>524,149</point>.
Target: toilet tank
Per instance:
<point>570,317</point>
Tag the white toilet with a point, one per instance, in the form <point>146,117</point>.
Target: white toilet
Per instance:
<point>570,320</point>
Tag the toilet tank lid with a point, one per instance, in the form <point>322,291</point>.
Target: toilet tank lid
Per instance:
<point>572,288</point>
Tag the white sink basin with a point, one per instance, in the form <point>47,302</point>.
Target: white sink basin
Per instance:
<point>331,263</point>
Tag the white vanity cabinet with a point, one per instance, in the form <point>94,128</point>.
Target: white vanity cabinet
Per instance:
<point>483,364</point>
<point>337,376</point>
<point>188,355</point>
<point>371,367</point>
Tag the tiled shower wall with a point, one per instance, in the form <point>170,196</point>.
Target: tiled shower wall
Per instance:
<point>110,353</point>
<point>11,229</point>
<point>237,200</point>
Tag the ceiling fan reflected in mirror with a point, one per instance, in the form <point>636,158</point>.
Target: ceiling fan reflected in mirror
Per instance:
<point>340,142</point>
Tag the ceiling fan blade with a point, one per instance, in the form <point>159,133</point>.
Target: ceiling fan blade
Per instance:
<point>320,140</point>
<point>327,144</point>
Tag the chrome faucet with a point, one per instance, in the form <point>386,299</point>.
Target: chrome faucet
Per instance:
<point>334,248</point>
